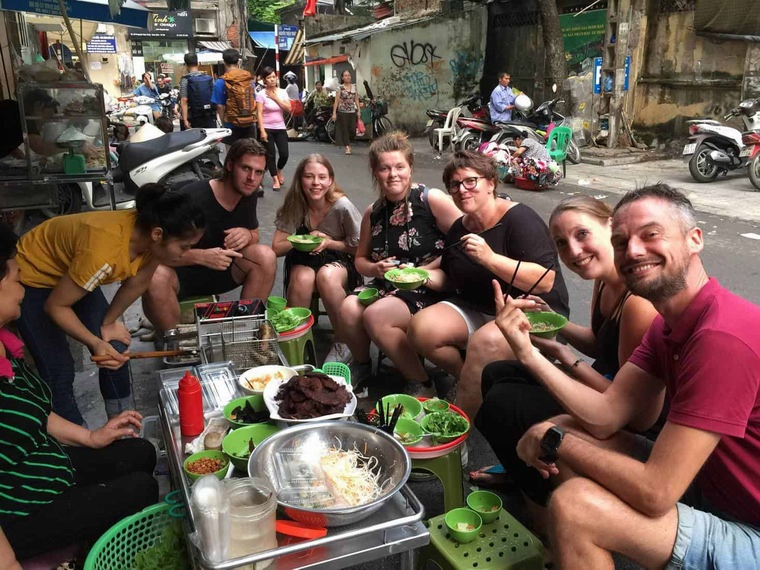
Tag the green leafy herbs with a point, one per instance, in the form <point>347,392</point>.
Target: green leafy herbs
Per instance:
<point>446,423</point>
<point>169,553</point>
<point>247,415</point>
<point>285,321</point>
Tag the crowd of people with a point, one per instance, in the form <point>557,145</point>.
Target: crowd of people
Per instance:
<point>649,451</point>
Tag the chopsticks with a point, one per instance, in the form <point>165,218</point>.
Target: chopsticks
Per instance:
<point>512,282</point>
<point>477,234</point>
<point>548,269</point>
<point>147,354</point>
<point>514,275</point>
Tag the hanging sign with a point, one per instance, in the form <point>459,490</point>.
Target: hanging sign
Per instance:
<point>101,43</point>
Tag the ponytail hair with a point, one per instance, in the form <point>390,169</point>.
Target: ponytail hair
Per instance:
<point>8,241</point>
<point>175,213</point>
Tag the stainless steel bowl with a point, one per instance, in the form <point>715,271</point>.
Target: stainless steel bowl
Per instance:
<point>394,464</point>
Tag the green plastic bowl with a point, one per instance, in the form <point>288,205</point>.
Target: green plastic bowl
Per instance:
<point>235,445</point>
<point>305,242</point>
<point>302,313</point>
<point>555,320</point>
<point>463,516</point>
<point>368,296</point>
<point>435,405</point>
<point>441,438</point>
<point>221,473</point>
<point>394,274</point>
<point>257,401</point>
<point>486,504</point>
<point>412,406</point>
<point>411,428</point>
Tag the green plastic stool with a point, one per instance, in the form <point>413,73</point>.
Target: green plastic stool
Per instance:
<point>299,350</point>
<point>504,544</point>
<point>187,307</point>
<point>448,469</point>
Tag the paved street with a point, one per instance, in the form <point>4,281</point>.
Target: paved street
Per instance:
<point>728,256</point>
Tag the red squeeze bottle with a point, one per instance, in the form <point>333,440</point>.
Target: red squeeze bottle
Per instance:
<point>190,405</point>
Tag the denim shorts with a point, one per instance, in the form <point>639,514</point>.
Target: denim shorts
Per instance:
<point>705,541</point>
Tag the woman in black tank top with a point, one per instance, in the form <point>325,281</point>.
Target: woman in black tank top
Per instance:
<point>513,399</point>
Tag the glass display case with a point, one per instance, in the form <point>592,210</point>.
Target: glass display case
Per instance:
<point>65,131</point>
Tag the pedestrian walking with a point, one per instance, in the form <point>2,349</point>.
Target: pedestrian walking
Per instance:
<point>345,112</point>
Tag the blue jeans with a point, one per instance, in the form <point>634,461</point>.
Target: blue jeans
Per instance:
<point>49,347</point>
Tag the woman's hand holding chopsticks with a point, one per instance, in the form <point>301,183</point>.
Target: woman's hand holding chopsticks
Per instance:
<point>511,321</point>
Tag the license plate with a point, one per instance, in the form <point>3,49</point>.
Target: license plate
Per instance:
<point>430,123</point>
<point>690,148</point>
<point>746,151</point>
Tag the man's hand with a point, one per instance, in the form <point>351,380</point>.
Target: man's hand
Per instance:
<point>237,238</point>
<point>219,258</point>
<point>103,348</point>
<point>512,322</point>
<point>477,248</point>
<point>125,424</point>
<point>529,449</point>
<point>115,331</point>
<point>324,244</point>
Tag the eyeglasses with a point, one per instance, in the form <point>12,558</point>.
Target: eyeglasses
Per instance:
<point>469,183</point>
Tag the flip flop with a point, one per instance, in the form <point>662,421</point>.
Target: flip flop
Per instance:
<point>281,179</point>
<point>489,476</point>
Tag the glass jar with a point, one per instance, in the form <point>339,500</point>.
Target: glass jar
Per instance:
<point>253,507</point>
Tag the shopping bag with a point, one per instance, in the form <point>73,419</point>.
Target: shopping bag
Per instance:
<point>360,128</point>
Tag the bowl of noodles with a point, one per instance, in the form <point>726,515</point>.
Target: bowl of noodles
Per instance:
<point>545,324</point>
<point>331,473</point>
<point>407,278</point>
<point>304,242</point>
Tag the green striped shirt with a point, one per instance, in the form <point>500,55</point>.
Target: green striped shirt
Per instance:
<point>34,468</point>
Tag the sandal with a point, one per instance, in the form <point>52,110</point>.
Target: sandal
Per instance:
<point>280,178</point>
<point>489,476</point>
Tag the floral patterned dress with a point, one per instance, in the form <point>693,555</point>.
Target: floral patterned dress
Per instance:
<point>406,230</point>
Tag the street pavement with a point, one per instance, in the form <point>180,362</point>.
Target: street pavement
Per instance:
<point>727,210</point>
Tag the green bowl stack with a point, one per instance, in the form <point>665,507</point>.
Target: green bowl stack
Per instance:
<point>305,242</point>
<point>550,323</point>
<point>407,278</point>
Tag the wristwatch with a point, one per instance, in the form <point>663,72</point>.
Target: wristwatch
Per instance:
<point>550,444</point>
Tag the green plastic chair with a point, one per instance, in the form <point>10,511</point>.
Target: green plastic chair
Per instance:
<point>557,144</point>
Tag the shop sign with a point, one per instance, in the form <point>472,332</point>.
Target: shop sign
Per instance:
<point>583,36</point>
<point>101,43</point>
<point>167,25</point>
<point>286,35</point>
<point>167,68</point>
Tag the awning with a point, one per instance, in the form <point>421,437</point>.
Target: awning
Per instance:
<point>130,14</point>
<point>220,47</point>
<point>327,60</point>
<point>295,55</point>
<point>263,39</point>
<point>358,34</point>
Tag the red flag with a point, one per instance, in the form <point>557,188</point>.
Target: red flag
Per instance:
<point>310,9</point>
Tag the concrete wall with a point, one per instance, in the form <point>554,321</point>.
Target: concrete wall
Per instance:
<point>432,64</point>
<point>685,76</point>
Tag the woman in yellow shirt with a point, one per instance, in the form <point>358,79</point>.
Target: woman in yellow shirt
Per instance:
<point>64,261</point>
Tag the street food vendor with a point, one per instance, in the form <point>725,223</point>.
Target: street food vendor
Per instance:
<point>65,260</point>
<point>61,483</point>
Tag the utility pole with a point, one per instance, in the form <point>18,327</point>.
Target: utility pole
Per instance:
<point>613,64</point>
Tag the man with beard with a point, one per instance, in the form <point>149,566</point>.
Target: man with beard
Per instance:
<point>617,492</point>
<point>229,254</point>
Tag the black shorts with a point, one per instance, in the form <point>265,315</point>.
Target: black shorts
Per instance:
<point>238,133</point>
<point>197,281</point>
<point>207,122</point>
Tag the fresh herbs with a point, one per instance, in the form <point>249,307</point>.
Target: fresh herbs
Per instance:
<point>285,321</point>
<point>247,415</point>
<point>446,424</point>
<point>168,553</point>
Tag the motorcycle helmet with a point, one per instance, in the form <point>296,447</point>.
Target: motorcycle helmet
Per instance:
<point>523,103</point>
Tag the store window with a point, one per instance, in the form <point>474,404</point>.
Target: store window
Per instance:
<point>161,56</point>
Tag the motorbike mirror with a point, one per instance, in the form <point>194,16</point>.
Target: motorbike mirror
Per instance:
<point>554,88</point>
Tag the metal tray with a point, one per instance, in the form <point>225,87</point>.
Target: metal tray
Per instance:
<point>396,528</point>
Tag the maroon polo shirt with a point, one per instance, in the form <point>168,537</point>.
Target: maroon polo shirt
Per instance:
<point>710,363</point>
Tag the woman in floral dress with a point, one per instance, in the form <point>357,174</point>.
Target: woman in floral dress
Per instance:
<point>405,226</point>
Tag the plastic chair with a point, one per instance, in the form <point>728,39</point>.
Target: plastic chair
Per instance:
<point>448,470</point>
<point>449,128</point>
<point>557,144</point>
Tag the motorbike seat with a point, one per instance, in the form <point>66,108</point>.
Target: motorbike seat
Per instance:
<point>133,155</point>
<point>438,112</point>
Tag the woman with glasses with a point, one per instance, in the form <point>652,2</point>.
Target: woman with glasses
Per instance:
<point>405,226</point>
<point>487,243</point>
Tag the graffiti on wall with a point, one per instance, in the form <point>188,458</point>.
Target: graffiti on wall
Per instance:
<point>414,53</point>
<point>465,67</point>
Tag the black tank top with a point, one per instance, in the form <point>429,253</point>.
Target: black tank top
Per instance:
<point>607,333</point>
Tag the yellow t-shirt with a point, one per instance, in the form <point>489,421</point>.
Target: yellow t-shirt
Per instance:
<point>92,248</point>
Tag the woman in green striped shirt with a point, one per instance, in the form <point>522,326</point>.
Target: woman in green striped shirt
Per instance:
<point>60,483</point>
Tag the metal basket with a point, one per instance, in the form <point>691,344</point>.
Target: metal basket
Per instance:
<point>246,341</point>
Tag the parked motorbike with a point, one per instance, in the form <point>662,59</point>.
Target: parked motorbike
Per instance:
<point>715,148</point>
<point>437,117</point>
<point>751,142</point>
<point>318,119</point>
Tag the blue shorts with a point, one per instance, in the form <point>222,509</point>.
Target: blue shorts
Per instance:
<point>705,541</point>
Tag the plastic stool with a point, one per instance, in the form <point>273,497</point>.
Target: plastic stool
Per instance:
<point>187,307</point>
<point>299,350</point>
<point>448,469</point>
<point>504,544</point>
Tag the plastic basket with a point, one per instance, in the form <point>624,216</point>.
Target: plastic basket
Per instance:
<point>119,545</point>
<point>526,184</point>
<point>337,369</point>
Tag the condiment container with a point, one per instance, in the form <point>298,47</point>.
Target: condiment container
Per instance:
<point>213,441</point>
<point>190,398</point>
<point>253,507</point>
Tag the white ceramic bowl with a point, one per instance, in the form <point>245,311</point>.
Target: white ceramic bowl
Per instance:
<point>274,372</point>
